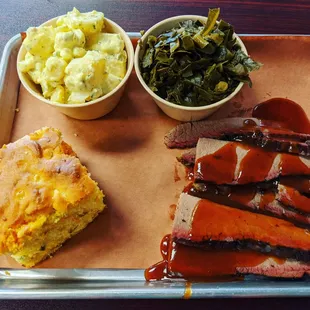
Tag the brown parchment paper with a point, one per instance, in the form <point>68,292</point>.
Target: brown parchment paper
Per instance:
<point>125,153</point>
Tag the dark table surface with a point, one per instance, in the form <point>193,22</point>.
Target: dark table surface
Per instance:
<point>254,16</point>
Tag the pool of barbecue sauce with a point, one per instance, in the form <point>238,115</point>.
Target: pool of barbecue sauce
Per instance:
<point>192,263</point>
<point>285,111</point>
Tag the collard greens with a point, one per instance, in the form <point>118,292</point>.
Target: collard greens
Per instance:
<point>196,64</point>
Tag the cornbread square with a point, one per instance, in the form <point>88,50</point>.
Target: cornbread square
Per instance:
<point>47,196</point>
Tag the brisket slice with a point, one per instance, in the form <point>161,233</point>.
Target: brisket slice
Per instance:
<point>187,134</point>
<point>263,134</point>
<point>301,184</point>
<point>225,162</point>
<point>258,198</point>
<point>188,157</point>
<point>206,224</point>
<point>190,262</point>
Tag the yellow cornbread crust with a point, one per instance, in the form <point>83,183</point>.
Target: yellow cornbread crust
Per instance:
<point>47,196</point>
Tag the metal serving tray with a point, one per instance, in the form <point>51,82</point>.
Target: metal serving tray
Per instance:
<point>111,283</point>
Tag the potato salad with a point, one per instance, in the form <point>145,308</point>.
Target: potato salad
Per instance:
<point>74,61</point>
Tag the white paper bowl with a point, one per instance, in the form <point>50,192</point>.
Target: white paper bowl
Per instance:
<point>91,109</point>
<point>175,111</point>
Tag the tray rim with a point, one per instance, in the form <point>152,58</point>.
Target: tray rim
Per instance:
<point>128,283</point>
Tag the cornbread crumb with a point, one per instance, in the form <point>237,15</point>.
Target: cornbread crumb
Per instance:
<point>17,110</point>
<point>47,196</point>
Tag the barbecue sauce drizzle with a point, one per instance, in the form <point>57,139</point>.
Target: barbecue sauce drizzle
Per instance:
<point>219,167</point>
<point>188,262</point>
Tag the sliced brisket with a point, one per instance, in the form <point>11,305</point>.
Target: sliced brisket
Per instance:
<point>225,162</point>
<point>277,200</point>
<point>192,262</point>
<point>261,133</point>
<point>202,223</point>
<point>188,157</point>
